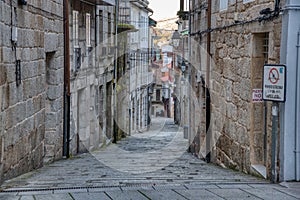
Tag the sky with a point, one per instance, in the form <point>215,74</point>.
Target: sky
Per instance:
<point>164,9</point>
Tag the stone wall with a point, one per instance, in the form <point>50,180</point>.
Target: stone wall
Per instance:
<point>26,140</point>
<point>91,88</point>
<point>238,125</point>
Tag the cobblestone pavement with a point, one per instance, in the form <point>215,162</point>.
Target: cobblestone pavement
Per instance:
<point>149,165</point>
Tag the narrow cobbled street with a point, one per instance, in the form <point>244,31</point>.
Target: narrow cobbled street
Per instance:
<point>147,165</point>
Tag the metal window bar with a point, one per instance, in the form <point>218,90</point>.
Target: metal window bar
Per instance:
<point>266,58</point>
<point>266,48</point>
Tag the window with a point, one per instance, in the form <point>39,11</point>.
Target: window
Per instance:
<point>266,47</point>
<point>88,29</point>
<point>101,25</point>
<point>75,29</point>
<point>223,5</point>
<point>99,105</point>
<point>157,94</point>
<point>109,28</point>
<point>247,1</point>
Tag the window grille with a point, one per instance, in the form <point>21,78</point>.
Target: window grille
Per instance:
<point>75,28</point>
<point>266,48</point>
<point>88,29</point>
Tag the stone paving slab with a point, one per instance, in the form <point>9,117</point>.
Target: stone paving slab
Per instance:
<point>125,195</point>
<point>83,190</point>
<point>231,186</point>
<point>270,194</point>
<point>36,192</point>
<point>295,192</point>
<point>169,187</point>
<point>90,196</point>
<point>232,194</point>
<point>136,188</point>
<point>166,194</point>
<point>27,198</point>
<point>53,197</point>
<point>201,186</point>
<point>195,194</point>
<point>102,189</point>
<point>4,196</point>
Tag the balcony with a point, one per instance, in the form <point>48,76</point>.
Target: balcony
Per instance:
<point>141,80</point>
<point>102,2</point>
<point>141,4</point>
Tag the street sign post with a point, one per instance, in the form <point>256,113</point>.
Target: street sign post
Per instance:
<point>274,87</point>
<point>274,83</point>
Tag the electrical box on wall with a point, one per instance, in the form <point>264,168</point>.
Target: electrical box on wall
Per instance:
<point>14,34</point>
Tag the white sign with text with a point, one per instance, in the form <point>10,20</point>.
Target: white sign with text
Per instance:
<point>274,83</point>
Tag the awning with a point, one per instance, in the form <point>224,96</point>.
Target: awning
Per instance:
<point>152,22</point>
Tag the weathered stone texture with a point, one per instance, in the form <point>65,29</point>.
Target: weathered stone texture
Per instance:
<point>238,55</point>
<point>24,107</point>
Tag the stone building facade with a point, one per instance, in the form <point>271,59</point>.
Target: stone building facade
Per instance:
<point>234,39</point>
<point>136,14</point>
<point>92,53</point>
<point>31,85</point>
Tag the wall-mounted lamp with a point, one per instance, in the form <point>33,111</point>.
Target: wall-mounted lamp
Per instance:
<point>23,2</point>
<point>183,67</point>
<point>176,38</point>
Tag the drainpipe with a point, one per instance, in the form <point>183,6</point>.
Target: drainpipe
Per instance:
<point>115,129</point>
<point>189,78</point>
<point>67,93</point>
<point>208,47</point>
<point>297,114</point>
<point>277,8</point>
<point>181,5</point>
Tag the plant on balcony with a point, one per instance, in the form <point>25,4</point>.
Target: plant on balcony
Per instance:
<point>126,27</point>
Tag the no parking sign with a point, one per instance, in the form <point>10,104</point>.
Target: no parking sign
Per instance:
<point>274,83</point>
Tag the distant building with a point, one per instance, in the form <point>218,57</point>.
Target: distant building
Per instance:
<point>136,14</point>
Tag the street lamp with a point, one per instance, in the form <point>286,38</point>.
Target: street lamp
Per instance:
<point>183,67</point>
<point>176,38</point>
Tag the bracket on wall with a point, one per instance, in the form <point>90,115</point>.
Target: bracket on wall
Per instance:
<point>18,72</point>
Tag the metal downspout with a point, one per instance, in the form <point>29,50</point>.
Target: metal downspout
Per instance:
<point>297,114</point>
<point>208,133</point>
<point>189,78</point>
<point>115,129</point>
<point>67,93</point>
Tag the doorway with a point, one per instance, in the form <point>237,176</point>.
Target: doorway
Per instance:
<point>259,109</point>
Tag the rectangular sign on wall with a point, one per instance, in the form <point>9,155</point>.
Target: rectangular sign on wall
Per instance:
<point>257,95</point>
<point>274,83</point>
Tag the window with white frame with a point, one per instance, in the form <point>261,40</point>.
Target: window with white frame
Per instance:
<point>223,5</point>
<point>75,28</point>
<point>88,29</point>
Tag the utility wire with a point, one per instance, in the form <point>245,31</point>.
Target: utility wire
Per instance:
<point>258,19</point>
